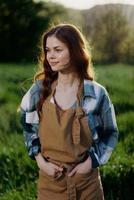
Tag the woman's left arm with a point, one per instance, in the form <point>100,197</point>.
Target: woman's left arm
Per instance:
<point>102,149</point>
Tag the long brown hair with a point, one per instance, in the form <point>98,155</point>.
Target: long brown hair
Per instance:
<point>79,56</point>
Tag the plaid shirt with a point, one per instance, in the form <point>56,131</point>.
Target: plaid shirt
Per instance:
<point>100,114</point>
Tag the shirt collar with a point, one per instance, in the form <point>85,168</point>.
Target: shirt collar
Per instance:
<point>89,89</point>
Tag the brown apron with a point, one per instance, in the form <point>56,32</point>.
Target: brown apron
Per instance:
<point>65,137</point>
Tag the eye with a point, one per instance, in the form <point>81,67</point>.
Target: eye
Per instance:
<point>47,50</point>
<point>58,50</point>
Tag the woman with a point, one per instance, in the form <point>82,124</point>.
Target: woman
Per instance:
<point>68,119</point>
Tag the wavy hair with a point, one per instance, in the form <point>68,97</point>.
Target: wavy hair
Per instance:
<point>80,57</point>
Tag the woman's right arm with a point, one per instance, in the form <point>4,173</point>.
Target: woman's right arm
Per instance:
<point>30,119</point>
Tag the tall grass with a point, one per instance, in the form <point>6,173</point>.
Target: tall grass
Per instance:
<point>19,173</point>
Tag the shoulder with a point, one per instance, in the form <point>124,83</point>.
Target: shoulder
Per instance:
<point>94,88</point>
<point>32,96</point>
<point>36,87</point>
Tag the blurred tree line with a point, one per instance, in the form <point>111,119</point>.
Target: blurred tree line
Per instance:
<point>23,21</point>
<point>21,24</point>
<point>111,38</point>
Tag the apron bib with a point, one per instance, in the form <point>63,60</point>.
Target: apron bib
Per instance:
<point>65,137</point>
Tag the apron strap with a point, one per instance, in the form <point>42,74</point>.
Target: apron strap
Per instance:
<point>78,114</point>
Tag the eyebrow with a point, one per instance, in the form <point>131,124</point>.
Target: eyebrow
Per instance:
<point>54,47</point>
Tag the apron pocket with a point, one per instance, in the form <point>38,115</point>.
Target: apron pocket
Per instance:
<point>51,181</point>
<point>44,174</point>
<point>84,175</point>
<point>82,180</point>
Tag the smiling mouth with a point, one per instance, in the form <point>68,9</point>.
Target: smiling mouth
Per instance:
<point>53,63</point>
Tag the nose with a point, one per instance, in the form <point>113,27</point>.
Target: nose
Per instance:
<point>51,55</point>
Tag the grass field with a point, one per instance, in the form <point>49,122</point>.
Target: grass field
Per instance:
<point>19,173</point>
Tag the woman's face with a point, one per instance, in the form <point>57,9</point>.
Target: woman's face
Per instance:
<point>57,54</point>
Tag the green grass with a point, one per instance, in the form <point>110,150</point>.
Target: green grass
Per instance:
<point>19,173</point>
<point>25,192</point>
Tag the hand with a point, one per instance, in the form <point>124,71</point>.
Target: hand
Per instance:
<point>82,168</point>
<point>48,167</point>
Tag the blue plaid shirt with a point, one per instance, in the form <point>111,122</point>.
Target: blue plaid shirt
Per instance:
<point>100,114</point>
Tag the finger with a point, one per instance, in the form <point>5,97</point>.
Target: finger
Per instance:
<point>72,172</point>
<point>58,168</point>
<point>57,174</point>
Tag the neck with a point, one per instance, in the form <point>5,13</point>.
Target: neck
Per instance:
<point>67,80</point>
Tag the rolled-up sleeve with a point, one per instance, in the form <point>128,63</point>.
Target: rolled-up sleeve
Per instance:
<point>101,150</point>
<point>30,120</point>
